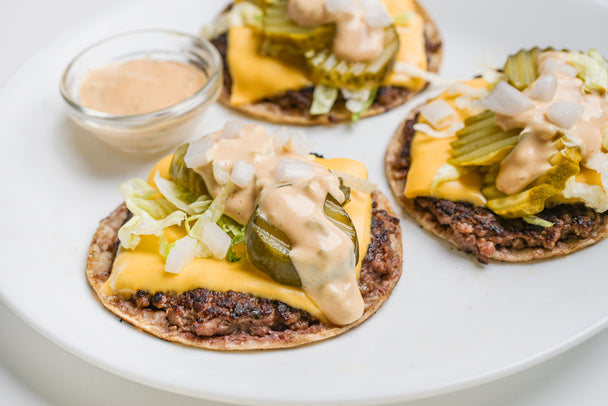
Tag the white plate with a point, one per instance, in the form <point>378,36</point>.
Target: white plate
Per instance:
<point>450,323</point>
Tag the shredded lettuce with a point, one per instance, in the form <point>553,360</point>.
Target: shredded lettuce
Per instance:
<point>151,212</point>
<point>145,225</point>
<point>402,19</point>
<point>143,200</point>
<point>174,203</point>
<point>237,239</point>
<point>323,99</point>
<point>370,99</point>
<point>446,173</point>
<point>537,221</point>
<point>236,231</point>
<point>592,195</point>
<point>181,198</point>
<point>164,247</point>
<point>592,68</point>
<point>243,13</point>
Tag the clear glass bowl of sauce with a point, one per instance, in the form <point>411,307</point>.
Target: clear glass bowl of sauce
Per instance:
<point>143,91</point>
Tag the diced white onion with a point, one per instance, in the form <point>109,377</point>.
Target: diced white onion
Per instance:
<point>489,73</point>
<point>460,88</point>
<point>181,254</point>
<point>341,6</point>
<point>431,132</point>
<point>438,113</point>
<point>221,176</point>
<point>564,114</point>
<point>199,152</point>
<point>544,88</point>
<point>232,129</point>
<point>299,143</point>
<point>572,141</point>
<point>463,102</point>
<point>289,170</point>
<point>552,65</point>
<point>356,183</point>
<point>280,136</point>
<point>507,100</point>
<point>412,70</point>
<point>242,173</point>
<point>216,240</point>
<point>355,100</point>
<point>375,13</point>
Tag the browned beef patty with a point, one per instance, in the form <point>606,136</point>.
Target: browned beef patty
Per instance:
<point>479,231</point>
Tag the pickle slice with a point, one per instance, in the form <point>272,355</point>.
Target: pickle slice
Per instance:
<point>565,164</point>
<point>521,68</point>
<point>284,36</point>
<point>268,250</point>
<point>326,68</point>
<point>489,189</point>
<point>338,216</point>
<point>481,142</point>
<point>268,247</point>
<point>475,127</point>
<point>185,177</point>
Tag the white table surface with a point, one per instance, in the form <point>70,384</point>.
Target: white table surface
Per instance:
<point>35,371</point>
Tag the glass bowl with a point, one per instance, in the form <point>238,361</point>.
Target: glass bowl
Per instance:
<point>150,132</point>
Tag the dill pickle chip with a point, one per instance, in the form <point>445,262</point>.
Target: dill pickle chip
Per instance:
<point>481,142</point>
<point>185,177</point>
<point>326,68</point>
<point>268,250</point>
<point>282,35</point>
<point>492,192</point>
<point>268,247</point>
<point>475,127</point>
<point>489,174</point>
<point>565,164</point>
<point>521,69</point>
<point>338,216</point>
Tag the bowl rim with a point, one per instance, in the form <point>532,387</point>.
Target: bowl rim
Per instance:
<point>184,107</point>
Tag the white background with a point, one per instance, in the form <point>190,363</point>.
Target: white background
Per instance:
<point>34,371</point>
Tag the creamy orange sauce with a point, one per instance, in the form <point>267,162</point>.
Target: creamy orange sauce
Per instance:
<point>323,255</point>
<point>530,157</point>
<point>140,86</point>
<point>355,40</point>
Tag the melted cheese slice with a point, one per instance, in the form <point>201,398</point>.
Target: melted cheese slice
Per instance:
<point>412,44</point>
<point>255,77</point>
<point>143,267</point>
<point>429,154</point>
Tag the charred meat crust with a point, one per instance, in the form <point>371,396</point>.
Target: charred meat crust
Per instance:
<point>479,231</point>
<point>299,101</point>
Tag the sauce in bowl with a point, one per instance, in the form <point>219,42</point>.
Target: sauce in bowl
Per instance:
<point>140,86</point>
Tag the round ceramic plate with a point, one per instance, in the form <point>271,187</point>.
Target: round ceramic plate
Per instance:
<point>451,323</point>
